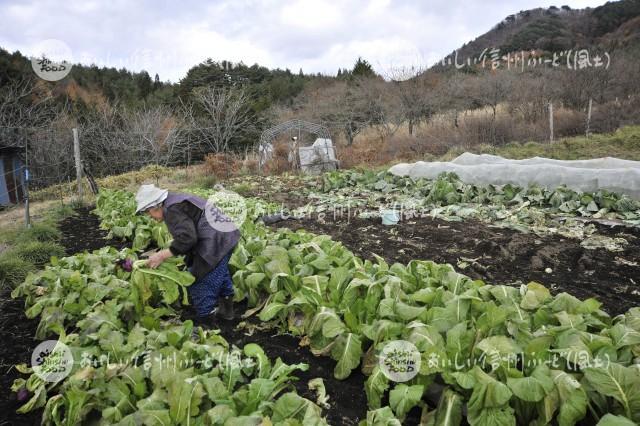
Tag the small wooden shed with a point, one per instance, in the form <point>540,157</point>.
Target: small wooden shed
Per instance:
<point>11,176</point>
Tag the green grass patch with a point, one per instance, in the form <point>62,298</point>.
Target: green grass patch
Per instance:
<point>243,189</point>
<point>623,143</point>
<point>13,270</point>
<point>8,235</point>
<point>56,214</point>
<point>207,182</point>
<point>42,232</point>
<point>35,252</point>
<point>23,250</point>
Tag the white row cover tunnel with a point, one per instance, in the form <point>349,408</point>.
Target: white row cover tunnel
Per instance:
<point>608,173</point>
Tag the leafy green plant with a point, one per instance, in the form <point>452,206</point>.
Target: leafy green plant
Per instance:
<point>137,366</point>
<point>511,354</point>
<point>501,355</point>
<point>532,209</point>
<point>166,277</point>
<point>448,189</point>
<point>116,209</point>
<point>109,305</point>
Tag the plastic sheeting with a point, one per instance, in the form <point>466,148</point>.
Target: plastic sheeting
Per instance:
<point>4,193</point>
<point>319,157</point>
<point>11,179</point>
<point>608,173</point>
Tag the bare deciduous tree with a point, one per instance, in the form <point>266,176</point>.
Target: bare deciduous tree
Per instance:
<point>346,107</point>
<point>25,104</point>
<point>382,106</point>
<point>226,116</point>
<point>491,90</point>
<point>414,88</point>
<point>157,134</point>
<point>530,98</point>
<point>450,95</point>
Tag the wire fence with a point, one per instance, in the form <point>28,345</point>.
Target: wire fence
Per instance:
<point>34,158</point>
<point>48,152</point>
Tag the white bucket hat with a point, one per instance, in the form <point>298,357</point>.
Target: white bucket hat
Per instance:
<point>149,196</point>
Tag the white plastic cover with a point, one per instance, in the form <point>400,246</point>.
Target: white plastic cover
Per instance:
<point>265,153</point>
<point>318,157</point>
<point>609,173</point>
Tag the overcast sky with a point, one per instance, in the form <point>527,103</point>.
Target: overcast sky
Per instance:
<point>169,37</point>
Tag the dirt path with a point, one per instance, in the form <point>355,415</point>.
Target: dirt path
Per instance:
<point>82,232</point>
<point>499,256</point>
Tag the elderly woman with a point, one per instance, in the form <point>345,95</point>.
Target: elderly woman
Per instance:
<point>206,237</point>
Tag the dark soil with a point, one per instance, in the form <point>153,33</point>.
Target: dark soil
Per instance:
<point>346,397</point>
<point>16,335</point>
<point>498,256</point>
<point>502,256</point>
<point>79,232</point>
<point>291,195</point>
<point>82,232</point>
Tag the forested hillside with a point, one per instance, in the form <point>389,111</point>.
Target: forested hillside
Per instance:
<point>131,118</point>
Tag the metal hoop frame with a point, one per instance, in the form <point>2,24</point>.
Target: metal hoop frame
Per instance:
<point>268,136</point>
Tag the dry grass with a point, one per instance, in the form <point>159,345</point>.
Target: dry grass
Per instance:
<point>14,216</point>
<point>444,137</point>
<point>623,143</point>
<point>279,162</point>
<point>221,165</point>
<point>147,174</point>
<point>465,130</point>
<point>249,166</point>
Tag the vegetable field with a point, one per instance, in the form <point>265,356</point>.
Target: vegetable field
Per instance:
<point>522,304</point>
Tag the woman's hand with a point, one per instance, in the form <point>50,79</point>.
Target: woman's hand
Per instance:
<point>157,258</point>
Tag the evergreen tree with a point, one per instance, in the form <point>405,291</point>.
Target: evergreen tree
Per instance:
<point>362,68</point>
<point>144,83</point>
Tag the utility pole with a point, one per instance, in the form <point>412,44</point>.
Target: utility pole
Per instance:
<point>76,154</point>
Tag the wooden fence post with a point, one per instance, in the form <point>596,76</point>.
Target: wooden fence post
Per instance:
<point>588,130</point>
<point>76,154</point>
<point>550,122</point>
